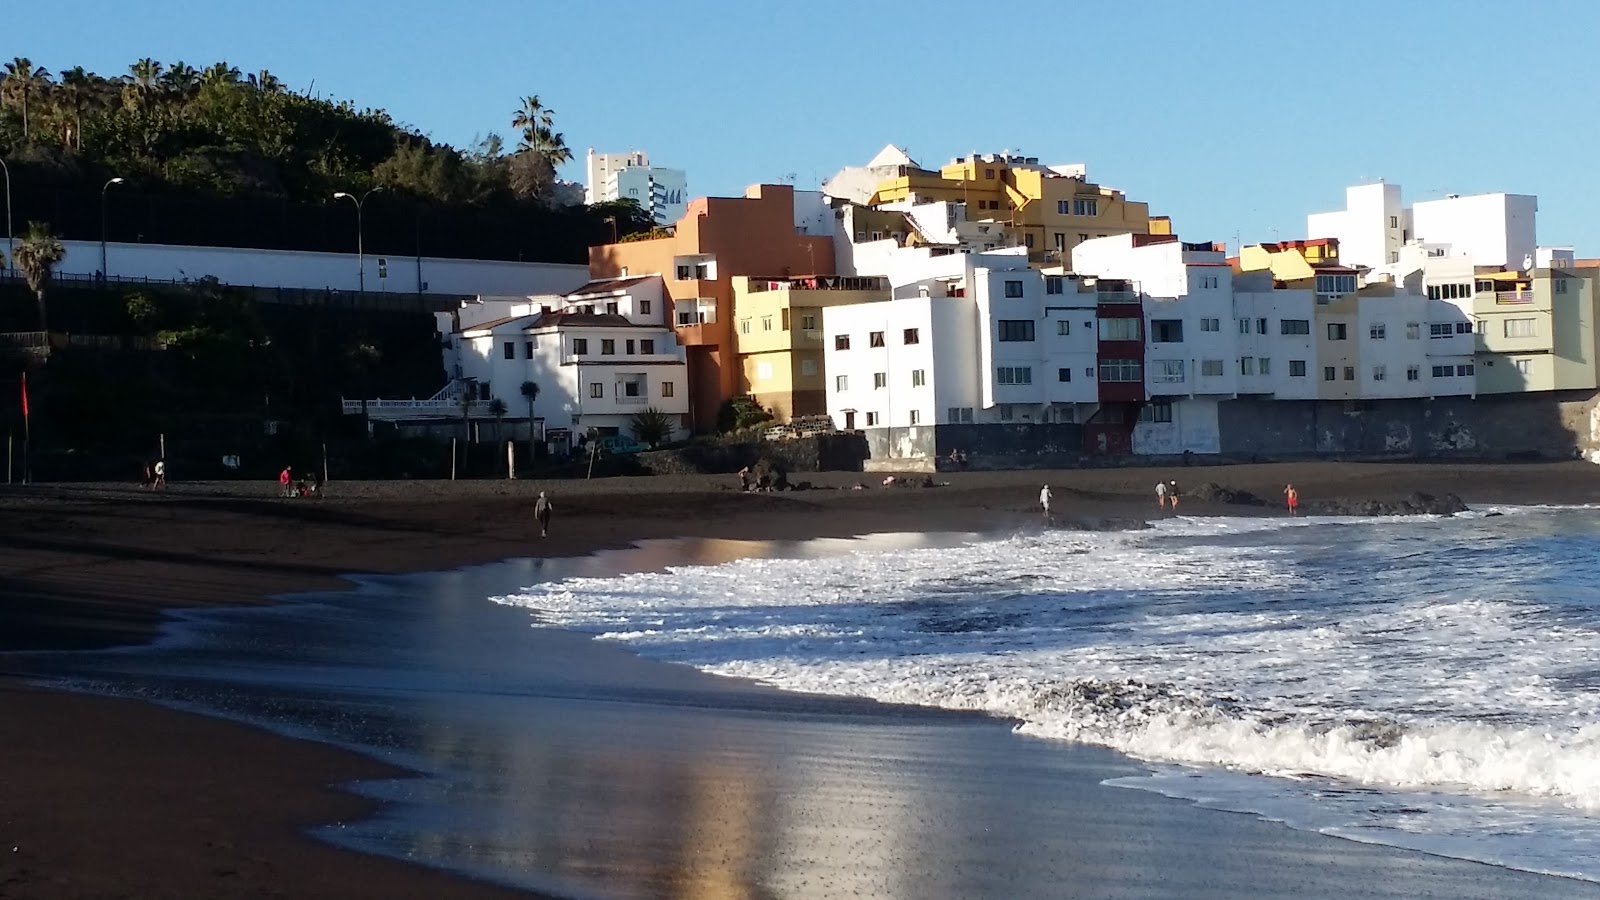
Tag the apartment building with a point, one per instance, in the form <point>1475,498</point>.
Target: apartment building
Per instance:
<point>1496,230</point>
<point>661,192</point>
<point>779,336</point>
<point>1535,330</point>
<point>767,234</point>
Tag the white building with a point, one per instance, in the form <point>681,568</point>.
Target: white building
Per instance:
<point>857,184</point>
<point>1497,230</point>
<point>663,193</point>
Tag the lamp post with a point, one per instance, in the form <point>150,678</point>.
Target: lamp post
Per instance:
<point>103,273</point>
<point>11,248</point>
<point>361,249</point>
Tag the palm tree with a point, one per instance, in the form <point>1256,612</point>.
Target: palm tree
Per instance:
<point>497,408</point>
<point>220,73</point>
<point>22,81</point>
<point>144,82</point>
<point>537,123</point>
<point>530,393</point>
<point>77,97</point>
<point>181,80</point>
<point>265,82</point>
<point>37,256</point>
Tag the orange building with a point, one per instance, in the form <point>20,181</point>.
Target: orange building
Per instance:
<point>718,240</point>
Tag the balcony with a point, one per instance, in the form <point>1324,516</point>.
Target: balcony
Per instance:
<point>820,283</point>
<point>1116,297</point>
<point>1513,298</point>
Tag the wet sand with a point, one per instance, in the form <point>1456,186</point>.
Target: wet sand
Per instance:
<point>109,798</point>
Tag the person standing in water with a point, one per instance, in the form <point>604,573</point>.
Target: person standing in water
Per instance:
<point>1172,494</point>
<point>1292,497</point>
<point>1044,501</point>
<point>1161,496</point>
<point>542,508</point>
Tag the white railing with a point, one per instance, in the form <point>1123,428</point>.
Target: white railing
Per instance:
<point>400,409</point>
<point>1512,298</point>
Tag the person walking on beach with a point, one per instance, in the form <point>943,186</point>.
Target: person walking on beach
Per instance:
<point>161,474</point>
<point>1172,494</point>
<point>285,482</point>
<point>744,480</point>
<point>1044,501</point>
<point>1161,496</point>
<point>542,508</point>
<point>1292,497</point>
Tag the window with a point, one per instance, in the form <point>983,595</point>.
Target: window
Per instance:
<point>1413,373</point>
<point>1380,373</point>
<point>580,346</point>
<point>666,389</point>
<point>608,347</point>
<point>611,308</point>
<point>808,367</point>
<point>647,346</point>
<point>916,417</point>
<point>1085,207</point>
<point>919,377</point>
<point>1247,365</point>
<point>764,371</point>
<point>1394,221</point>
<point>1121,370</point>
<point>1119,329</point>
<point>510,350</point>
<point>1294,326</point>
<point>1156,411</point>
<point>1329,373</point>
<point>597,390</point>
<point>875,339</point>
<point>1063,208</point>
<point>1261,326</point>
<point>1166,331</point>
<point>1440,330</point>
<point>872,419</point>
<point>1522,365</point>
<point>988,174</point>
<point>1559,286</point>
<point>644,307</point>
<point>1336,284</point>
<point>1413,331</point>
<point>1349,373</point>
<point>1006,414</point>
<point>841,342</point>
<point>1016,329</point>
<point>1210,324</point>
<point>1264,366</point>
<point>744,325</point>
<point>1244,326</point>
<point>1521,328</point>
<point>1208,281</point>
<point>1449,291</point>
<point>808,323</point>
<point>1443,371</point>
<point>1063,327</point>
<point>1297,368</point>
<point>1061,239</point>
<point>1064,375</point>
<point>1336,331</point>
<point>1013,289</point>
<point>1211,368</point>
<point>527,349</point>
<point>1053,283</point>
<point>1082,237</point>
<point>1466,369</point>
<point>910,336</point>
<point>1013,375</point>
<point>766,323</point>
<point>1027,241</point>
<point>1166,370</point>
<point>630,347</point>
<point>634,388</point>
<point>1463,328</point>
<point>841,383</point>
<point>960,414</point>
<point>1378,331</point>
<point>685,273</point>
<point>880,380</point>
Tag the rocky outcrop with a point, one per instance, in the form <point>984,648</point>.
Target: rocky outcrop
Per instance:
<point>1416,504</point>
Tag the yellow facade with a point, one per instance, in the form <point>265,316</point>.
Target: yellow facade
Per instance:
<point>777,331</point>
<point>1047,212</point>
<point>1536,331</point>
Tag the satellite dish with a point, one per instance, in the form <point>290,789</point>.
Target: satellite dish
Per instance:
<point>1527,263</point>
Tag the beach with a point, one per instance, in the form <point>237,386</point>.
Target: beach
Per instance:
<point>106,797</point>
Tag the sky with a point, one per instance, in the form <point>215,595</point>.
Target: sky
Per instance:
<point>1236,118</point>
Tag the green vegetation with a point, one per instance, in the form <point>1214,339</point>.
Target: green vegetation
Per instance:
<point>741,413</point>
<point>652,427</point>
<point>37,256</point>
<point>187,135</point>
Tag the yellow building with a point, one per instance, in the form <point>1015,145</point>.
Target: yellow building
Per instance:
<point>1048,210</point>
<point>1314,266</point>
<point>1536,331</point>
<point>777,330</point>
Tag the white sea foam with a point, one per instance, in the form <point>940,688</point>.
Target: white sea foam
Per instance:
<point>1374,652</point>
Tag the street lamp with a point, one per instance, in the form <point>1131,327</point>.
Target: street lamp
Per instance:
<point>11,248</point>
<point>361,249</point>
<point>103,273</point>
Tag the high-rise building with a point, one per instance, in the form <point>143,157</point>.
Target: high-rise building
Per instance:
<point>663,193</point>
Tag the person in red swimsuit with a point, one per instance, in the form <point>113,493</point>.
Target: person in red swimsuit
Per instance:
<point>1292,497</point>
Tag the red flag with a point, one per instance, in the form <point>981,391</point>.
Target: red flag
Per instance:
<point>24,396</point>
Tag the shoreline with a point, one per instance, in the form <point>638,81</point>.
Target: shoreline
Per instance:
<point>69,562</point>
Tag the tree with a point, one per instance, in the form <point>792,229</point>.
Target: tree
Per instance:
<point>181,81</point>
<point>530,393</point>
<point>537,124</point>
<point>363,358</point>
<point>652,426</point>
<point>22,82</point>
<point>37,256</point>
<point>497,408</point>
<point>144,83</point>
<point>77,97</point>
<point>220,74</point>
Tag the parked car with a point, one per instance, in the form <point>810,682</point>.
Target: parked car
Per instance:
<point>617,445</point>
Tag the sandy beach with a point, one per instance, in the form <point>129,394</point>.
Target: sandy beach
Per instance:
<point>111,798</point>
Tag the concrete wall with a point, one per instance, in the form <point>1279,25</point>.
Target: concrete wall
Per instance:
<point>319,271</point>
<point>993,446</point>
<point>1557,425</point>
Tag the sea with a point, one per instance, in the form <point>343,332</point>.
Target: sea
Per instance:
<point>1426,683</point>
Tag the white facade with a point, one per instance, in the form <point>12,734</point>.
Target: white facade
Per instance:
<point>1376,226</point>
<point>857,184</point>
<point>593,370</point>
<point>318,271</point>
<point>663,193</point>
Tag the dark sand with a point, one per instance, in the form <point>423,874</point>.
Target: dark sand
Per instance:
<point>109,798</point>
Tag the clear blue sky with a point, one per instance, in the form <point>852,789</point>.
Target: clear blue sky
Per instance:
<point>1234,117</point>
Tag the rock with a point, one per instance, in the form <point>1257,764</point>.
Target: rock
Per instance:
<point>1211,492</point>
<point>1417,504</point>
